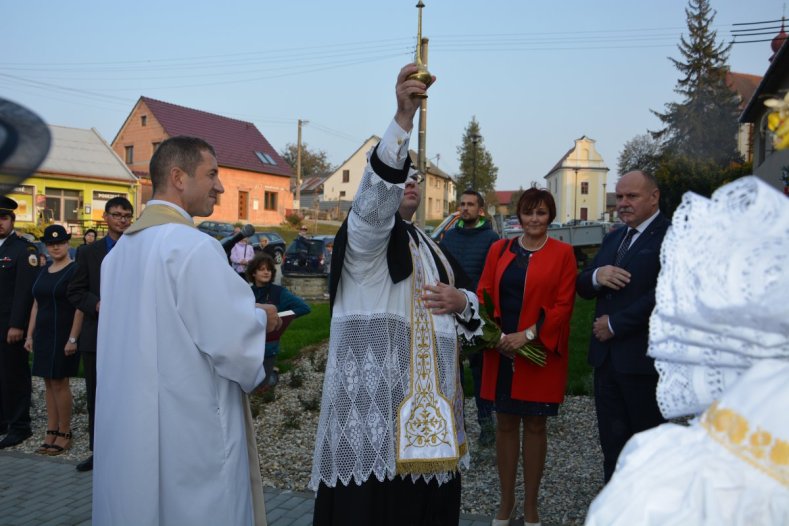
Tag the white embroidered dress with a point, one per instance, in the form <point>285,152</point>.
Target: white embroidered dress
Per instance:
<point>368,383</point>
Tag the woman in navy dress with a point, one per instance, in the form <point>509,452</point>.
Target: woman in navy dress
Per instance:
<point>52,338</point>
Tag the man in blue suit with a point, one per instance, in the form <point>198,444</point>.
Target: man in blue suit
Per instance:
<point>622,277</point>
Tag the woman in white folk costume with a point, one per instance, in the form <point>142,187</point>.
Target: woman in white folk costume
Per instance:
<point>180,342</point>
<point>390,436</point>
<point>720,338</point>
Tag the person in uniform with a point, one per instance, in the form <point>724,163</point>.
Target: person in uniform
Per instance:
<point>18,269</point>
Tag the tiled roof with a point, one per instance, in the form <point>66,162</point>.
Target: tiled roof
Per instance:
<point>236,142</point>
<point>744,85</point>
<point>504,197</point>
<point>81,152</point>
<point>431,168</point>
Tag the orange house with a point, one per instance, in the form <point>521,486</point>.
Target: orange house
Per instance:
<point>255,177</point>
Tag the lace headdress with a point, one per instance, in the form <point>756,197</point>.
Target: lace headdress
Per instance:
<point>722,298</point>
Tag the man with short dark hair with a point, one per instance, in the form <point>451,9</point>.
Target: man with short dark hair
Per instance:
<point>180,343</point>
<point>469,241</point>
<point>622,277</point>
<point>18,269</point>
<point>84,294</point>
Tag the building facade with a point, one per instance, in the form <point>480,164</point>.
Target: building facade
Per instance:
<point>578,184</point>
<point>340,186</point>
<point>769,164</point>
<point>256,179</point>
<point>80,174</point>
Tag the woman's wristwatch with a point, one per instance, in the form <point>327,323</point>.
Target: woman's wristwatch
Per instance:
<point>72,339</point>
<point>530,334</point>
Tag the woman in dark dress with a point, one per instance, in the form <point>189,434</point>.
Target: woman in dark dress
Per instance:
<point>52,338</point>
<point>531,282</point>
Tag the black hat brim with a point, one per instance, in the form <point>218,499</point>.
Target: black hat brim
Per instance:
<point>24,143</point>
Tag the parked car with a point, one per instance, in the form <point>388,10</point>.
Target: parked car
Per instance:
<point>216,229</point>
<point>307,256</point>
<point>438,233</point>
<point>329,240</point>
<point>513,230</point>
<point>275,247</point>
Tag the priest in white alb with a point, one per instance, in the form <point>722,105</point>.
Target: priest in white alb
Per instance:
<point>390,438</point>
<point>180,343</point>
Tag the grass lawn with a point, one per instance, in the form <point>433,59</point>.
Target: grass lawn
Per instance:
<point>313,329</point>
<point>303,334</point>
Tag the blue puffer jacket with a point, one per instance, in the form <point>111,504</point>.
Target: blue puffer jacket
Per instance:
<point>470,247</point>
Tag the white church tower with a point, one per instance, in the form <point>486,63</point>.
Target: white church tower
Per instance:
<point>578,183</point>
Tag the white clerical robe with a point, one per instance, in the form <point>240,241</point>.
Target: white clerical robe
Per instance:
<point>179,343</point>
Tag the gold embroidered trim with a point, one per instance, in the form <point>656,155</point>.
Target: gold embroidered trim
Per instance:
<point>756,447</point>
<point>426,426</point>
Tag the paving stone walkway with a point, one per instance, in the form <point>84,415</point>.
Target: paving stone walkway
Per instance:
<point>46,491</point>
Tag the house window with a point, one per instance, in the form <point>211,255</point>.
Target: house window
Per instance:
<point>346,176</point>
<point>265,158</point>
<point>342,193</point>
<point>270,201</point>
<point>129,154</point>
<point>144,120</point>
<point>155,146</point>
<point>584,188</point>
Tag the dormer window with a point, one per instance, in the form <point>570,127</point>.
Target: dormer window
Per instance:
<point>265,158</point>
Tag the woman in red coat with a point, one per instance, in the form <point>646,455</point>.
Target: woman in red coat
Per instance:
<point>531,282</point>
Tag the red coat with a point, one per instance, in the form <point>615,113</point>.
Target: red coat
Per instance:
<point>550,286</point>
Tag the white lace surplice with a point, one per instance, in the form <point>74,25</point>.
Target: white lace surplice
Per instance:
<point>368,369</point>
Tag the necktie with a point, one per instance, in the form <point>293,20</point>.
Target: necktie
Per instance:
<point>624,246</point>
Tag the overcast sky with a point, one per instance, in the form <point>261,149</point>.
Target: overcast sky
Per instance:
<point>536,75</point>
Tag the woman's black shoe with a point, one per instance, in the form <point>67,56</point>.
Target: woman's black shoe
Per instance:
<point>86,465</point>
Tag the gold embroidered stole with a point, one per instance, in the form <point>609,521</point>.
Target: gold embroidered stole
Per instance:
<point>427,438</point>
<point>155,215</point>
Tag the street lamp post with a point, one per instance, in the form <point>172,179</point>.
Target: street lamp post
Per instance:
<point>474,140</point>
<point>297,204</point>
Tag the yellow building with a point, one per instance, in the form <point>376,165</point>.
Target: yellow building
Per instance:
<point>578,184</point>
<point>80,174</point>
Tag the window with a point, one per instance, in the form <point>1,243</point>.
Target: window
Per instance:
<point>64,204</point>
<point>155,146</point>
<point>129,154</point>
<point>346,176</point>
<point>584,188</point>
<point>144,120</point>
<point>342,193</point>
<point>584,214</point>
<point>265,158</point>
<point>270,201</point>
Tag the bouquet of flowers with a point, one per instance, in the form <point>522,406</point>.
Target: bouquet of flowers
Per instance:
<point>491,334</point>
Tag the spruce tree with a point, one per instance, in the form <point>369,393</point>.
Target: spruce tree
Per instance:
<point>704,125</point>
<point>470,156</point>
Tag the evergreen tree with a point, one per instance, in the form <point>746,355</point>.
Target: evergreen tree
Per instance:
<point>475,159</point>
<point>704,125</point>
